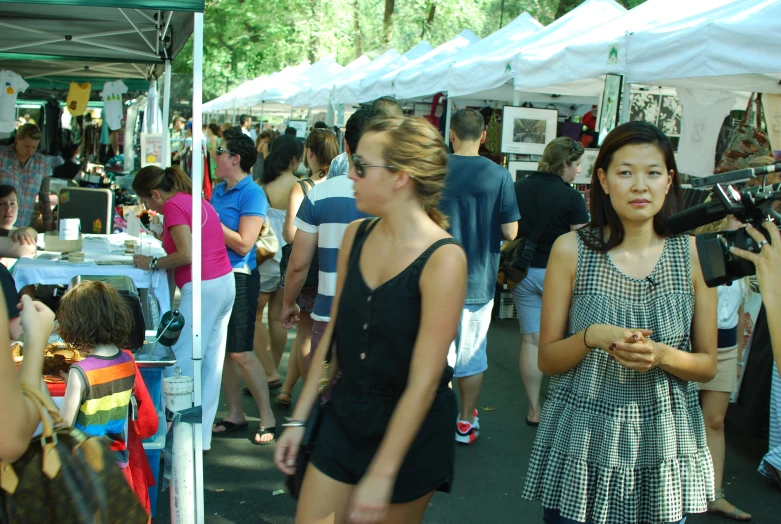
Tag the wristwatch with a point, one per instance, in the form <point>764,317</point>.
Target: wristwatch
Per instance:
<point>153,264</point>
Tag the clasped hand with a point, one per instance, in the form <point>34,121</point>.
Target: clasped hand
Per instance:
<point>629,347</point>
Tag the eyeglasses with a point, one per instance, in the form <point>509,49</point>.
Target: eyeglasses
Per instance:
<point>220,151</point>
<point>360,166</point>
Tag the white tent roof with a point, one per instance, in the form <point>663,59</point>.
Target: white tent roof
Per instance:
<point>375,87</point>
<point>477,73</point>
<point>728,48</point>
<point>577,63</point>
<point>319,94</point>
<point>348,91</point>
<point>426,81</point>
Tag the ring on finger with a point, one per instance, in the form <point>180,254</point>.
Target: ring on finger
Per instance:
<point>762,244</point>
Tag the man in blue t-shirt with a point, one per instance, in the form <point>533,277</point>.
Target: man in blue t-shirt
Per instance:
<point>479,199</point>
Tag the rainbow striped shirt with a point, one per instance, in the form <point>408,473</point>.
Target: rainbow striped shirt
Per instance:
<point>104,409</point>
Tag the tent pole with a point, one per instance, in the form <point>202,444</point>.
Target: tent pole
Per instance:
<point>197,178</point>
<point>166,160</point>
<point>516,98</point>
<point>261,116</point>
<point>626,97</point>
<point>448,114</point>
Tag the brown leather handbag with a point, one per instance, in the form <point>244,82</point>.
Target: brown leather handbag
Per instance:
<point>748,140</point>
<point>66,476</point>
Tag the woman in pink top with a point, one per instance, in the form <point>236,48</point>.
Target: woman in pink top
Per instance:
<point>169,192</point>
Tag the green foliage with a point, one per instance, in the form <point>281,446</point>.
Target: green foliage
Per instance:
<point>247,38</point>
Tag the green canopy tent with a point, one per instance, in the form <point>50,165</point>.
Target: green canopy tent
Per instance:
<point>57,41</point>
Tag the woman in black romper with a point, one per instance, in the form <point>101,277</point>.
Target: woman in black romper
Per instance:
<point>386,441</point>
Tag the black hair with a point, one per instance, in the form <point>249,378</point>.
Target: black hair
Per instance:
<point>603,215</point>
<point>240,144</point>
<point>387,106</point>
<point>243,119</point>
<point>6,190</point>
<point>69,152</point>
<point>355,126</point>
<point>467,124</point>
<point>282,151</point>
<point>320,125</point>
<point>292,131</point>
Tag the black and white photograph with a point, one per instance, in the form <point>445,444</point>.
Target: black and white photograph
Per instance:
<point>521,169</point>
<point>587,162</point>
<point>526,130</point>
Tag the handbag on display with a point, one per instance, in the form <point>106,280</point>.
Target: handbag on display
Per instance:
<point>313,423</point>
<point>66,476</point>
<point>516,255</point>
<point>267,245</point>
<point>748,141</point>
<point>313,276</point>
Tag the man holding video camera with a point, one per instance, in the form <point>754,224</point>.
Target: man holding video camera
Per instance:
<point>768,264</point>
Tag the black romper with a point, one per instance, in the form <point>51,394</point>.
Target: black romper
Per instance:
<point>375,335</point>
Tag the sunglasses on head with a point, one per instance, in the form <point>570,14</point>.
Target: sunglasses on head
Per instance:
<point>360,166</point>
<point>220,151</point>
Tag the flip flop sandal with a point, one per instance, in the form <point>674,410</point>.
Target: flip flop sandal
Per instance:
<point>530,423</point>
<point>264,431</point>
<point>271,386</point>
<point>735,514</point>
<point>229,426</point>
<point>284,404</point>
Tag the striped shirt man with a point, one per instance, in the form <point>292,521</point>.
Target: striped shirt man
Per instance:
<point>104,409</point>
<point>326,211</point>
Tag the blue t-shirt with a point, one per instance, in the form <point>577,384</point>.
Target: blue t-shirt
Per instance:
<point>245,199</point>
<point>478,198</point>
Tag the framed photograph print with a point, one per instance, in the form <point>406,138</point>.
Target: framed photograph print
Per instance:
<point>608,108</point>
<point>520,170</point>
<point>586,166</point>
<point>526,130</point>
<point>300,126</point>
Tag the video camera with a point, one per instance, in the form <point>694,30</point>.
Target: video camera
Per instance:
<point>719,266</point>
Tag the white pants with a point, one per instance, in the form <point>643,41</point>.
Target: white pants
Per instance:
<point>216,306</point>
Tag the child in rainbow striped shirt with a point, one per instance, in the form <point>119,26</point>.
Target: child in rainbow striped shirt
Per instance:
<point>94,318</point>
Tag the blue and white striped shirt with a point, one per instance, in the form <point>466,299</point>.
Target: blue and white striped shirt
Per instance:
<point>327,210</point>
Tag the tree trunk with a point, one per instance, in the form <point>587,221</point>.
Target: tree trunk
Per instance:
<point>565,6</point>
<point>357,27</point>
<point>387,21</point>
<point>429,20</point>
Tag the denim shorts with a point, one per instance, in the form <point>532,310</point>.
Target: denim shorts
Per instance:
<point>467,355</point>
<point>527,295</point>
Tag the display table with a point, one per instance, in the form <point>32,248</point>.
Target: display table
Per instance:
<point>103,255</point>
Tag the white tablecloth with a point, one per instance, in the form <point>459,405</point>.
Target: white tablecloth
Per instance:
<point>103,255</point>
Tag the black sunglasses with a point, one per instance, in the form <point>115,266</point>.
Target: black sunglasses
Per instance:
<point>221,151</point>
<point>360,166</point>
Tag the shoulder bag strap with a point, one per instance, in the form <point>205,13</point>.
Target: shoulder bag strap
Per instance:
<point>306,184</point>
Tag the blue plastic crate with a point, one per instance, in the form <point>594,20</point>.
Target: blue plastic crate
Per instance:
<point>153,456</point>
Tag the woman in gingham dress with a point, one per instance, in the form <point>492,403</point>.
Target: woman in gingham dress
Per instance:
<point>628,327</point>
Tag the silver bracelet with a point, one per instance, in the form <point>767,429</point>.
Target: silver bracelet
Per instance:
<point>294,424</point>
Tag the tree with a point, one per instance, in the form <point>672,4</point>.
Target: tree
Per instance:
<point>387,20</point>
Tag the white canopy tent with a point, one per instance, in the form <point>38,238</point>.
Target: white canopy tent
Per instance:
<point>426,80</point>
<point>348,91</point>
<point>385,85</point>
<point>319,95</point>
<point>490,75</point>
<point>728,48</point>
<point>577,65</point>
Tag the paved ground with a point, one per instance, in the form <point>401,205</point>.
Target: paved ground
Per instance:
<point>240,478</point>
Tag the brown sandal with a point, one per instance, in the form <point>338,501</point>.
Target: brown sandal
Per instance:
<point>284,403</point>
<point>735,514</point>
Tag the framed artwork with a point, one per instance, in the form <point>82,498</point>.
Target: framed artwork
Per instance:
<point>586,166</point>
<point>300,126</point>
<point>663,111</point>
<point>608,108</point>
<point>520,170</point>
<point>526,130</point>
<point>151,149</point>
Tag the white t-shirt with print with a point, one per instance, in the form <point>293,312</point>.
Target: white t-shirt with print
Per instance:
<point>11,84</point>
<point>112,103</point>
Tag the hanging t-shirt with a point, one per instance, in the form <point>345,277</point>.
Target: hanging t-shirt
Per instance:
<point>112,103</point>
<point>702,113</point>
<point>11,84</point>
<point>78,97</point>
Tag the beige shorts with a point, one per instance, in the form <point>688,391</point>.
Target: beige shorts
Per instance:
<point>726,379</point>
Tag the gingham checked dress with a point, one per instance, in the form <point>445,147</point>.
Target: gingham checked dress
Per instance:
<point>616,446</point>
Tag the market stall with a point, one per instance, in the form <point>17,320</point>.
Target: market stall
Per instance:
<point>55,41</point>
